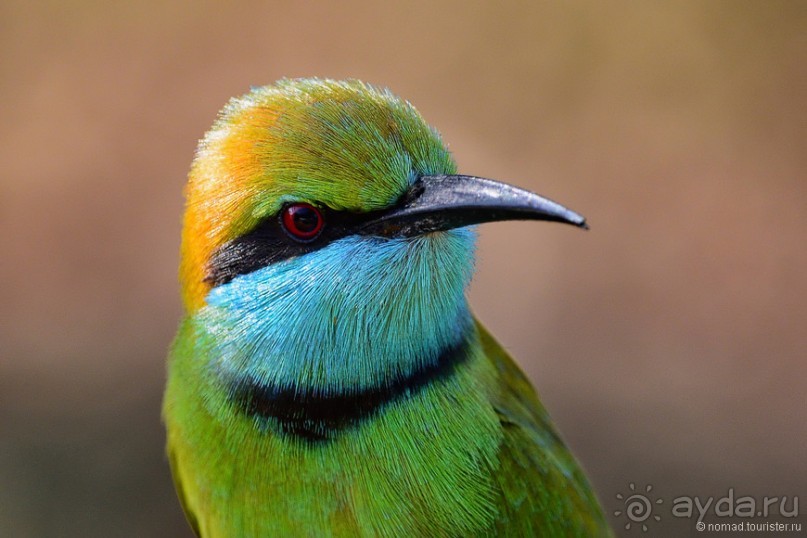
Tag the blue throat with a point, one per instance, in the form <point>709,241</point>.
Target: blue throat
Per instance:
<point>357,323</point>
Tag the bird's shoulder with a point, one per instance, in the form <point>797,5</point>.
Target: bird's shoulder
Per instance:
<point>179,487</point>
<point>542,489</point>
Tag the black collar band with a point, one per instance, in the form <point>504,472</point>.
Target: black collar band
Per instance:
<point>314,417</point>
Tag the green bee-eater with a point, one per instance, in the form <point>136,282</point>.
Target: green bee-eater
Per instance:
<point>328,378</point>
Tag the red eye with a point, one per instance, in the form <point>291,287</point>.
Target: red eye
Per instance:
<point>302,221</point>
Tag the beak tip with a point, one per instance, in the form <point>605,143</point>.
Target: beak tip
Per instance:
<point>575,219</point>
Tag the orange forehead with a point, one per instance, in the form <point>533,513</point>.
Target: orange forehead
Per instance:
<point>224,176</point>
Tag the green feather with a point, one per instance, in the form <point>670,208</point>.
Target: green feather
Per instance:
<point>473,455</point>
<point>468,452</point>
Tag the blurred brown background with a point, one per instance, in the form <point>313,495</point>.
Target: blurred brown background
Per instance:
<point>669,342</point>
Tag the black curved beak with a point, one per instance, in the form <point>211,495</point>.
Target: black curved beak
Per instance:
<point>436,203</point>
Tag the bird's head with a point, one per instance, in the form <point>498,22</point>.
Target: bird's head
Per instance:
<point>295,168</point>
<point>318,209</point>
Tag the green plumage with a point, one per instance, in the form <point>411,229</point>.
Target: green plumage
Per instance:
<point>463,450</point>
<point>475,455</point>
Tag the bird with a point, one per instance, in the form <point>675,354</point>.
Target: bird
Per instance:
<point>328,377</point>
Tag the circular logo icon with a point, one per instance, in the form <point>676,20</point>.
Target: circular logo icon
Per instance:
<point>638,507</point>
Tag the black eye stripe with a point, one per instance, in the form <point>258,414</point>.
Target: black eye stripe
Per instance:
<point>269,243</point>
